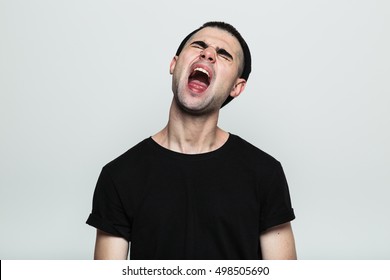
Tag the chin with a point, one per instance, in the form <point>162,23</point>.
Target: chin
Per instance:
<point>199,109</point>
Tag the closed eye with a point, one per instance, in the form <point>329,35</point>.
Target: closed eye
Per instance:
<point>225,54</point>
<point>221,52</point>
<point>199,44</point>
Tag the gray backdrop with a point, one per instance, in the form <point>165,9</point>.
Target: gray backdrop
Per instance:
<point>81,81</point>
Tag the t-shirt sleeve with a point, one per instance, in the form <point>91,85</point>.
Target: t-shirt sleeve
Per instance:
<point>108,213</point>
<point>276,206</point>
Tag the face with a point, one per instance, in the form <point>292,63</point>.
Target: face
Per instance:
<point>207,71</point>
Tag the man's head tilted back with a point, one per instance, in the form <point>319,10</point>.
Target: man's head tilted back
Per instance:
<point>247,63</point>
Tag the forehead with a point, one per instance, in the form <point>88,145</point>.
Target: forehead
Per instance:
<point>217,38</point>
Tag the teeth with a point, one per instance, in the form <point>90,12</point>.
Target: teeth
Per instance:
<point>202,70</point>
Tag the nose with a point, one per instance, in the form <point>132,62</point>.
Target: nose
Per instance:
<point>208,54</point>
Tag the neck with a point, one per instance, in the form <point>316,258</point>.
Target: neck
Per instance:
<point>191,134</point>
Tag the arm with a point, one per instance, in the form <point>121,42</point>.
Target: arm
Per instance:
<point>277,243</point>
<point>110,247</point>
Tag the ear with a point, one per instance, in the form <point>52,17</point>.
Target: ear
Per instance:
<point>238,87</point>
<point>173,64</point>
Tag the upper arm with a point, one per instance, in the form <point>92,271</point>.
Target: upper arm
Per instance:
<point>110,247</point>
<point>277,243</point>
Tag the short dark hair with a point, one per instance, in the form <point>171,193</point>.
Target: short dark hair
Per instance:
<point>247,67</point>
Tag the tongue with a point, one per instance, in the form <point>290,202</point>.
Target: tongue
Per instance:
<point>197,86</point>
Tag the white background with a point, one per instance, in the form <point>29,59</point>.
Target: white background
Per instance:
<point>83,81</point>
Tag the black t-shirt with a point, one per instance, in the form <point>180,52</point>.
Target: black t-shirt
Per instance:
<point>171,205</point>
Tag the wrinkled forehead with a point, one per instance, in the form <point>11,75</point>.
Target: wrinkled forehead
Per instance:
<point>218,38</point>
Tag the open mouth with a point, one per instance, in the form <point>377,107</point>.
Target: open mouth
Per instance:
<point>199,80</point>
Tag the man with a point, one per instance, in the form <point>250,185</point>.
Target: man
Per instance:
<point>193,190</point>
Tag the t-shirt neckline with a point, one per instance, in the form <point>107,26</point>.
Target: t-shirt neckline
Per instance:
<point>160,149</point>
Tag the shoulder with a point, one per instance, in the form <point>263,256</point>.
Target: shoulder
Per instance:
<point>252,153</point>
<point>132,157</point>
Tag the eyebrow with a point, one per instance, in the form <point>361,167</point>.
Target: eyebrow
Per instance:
<point>220,51</point>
